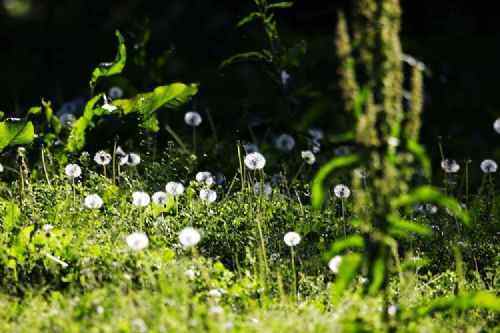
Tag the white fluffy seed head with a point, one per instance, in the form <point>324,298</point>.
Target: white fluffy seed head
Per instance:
<point>1,168</point>
<point>496,125</point>
<point>342,191</point>
<point>334,264</point>
<point>205,177</point>
<point>137,241</point>
<point>174,189</point>
<point>73,171</point>
<point>131,159</point>
<point>308,157</point>
<point>93,201</point>
<point>489,166</point>
<point>189,237</point>
<point>192,119</point>
<point>292,238</point>
<point>285,77</point>
<point>140,199</point>
<point>208,196</point>
<point>450,166</point>
<point>285,142</point>
<point>255,161</point>
<point>102,158</point>
<point>115,92</point>
<point>265,188</point>
<point>159,198</point>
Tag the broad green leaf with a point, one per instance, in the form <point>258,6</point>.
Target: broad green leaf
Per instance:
<point>280,5</point>
<point>318,191</point>
<point>481,300</point>
<point>353,241</point>
<point>348,270</point>
<point>401,227</point>
<point>76,139</point>
<point>430,194</point>
<point>14,133</point>
<point>11,217</point>
<point>247,57</point>
<point>113,68</point>
<point>171,96</point>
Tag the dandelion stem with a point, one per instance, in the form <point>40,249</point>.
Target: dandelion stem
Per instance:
<point>294,274</point>
<point>45,167</point>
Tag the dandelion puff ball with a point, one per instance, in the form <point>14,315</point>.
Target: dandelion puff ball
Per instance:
<point>255,161</point>
<point>159,198</point>
<point>208,195</point>
<point>496,125</point>
<point>137,241</point>
<point>285,142</point>
<point>131,159</point>
<point>205,177</point>
<point>189,237</point>
<point>192,119</point>
<point>334,264</point>
<point>73,171</point>
<point>93,201</point>
<point>489,166</point>
<point>292,238</point>
<point>341,191</point>
<point>102,158</point>
<point>450,166</point>
<point>308,157</point>
<point>175,189</point>
<point>140,199</point>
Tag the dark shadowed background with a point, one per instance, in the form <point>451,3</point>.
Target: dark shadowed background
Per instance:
<point>49,47</point>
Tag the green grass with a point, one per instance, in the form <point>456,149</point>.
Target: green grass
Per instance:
<point>97,284</point>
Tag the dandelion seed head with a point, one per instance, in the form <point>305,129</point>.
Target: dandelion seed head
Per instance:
<point>308,157</point>
<point>115,92</point>
<point>334,264</point>
<point>255,161</point>
<point>67,119</point>
<point>174,189</point>
<point>265,188</point>
<point>496,125</point>
<point>131,159</point>
<point>285,77</point>
<point>93,201</point>
<point>342,191</point>
<point>450,166</point>
<point>292,238</point>
<point>1,168</point>
<point>205,177</point>
<point>102,158</point>
<point>140,199</point>
<point>316,134</point>
<point>392,310</point>
<point>489,166</point>
<point>285,142</point>
<point>192,119</point>
<point>159,198</point>
<point>216,293</point>
<point>137,241</point>
<point>189,237</point>
<point>73,171</point>
<point>208,196</point>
